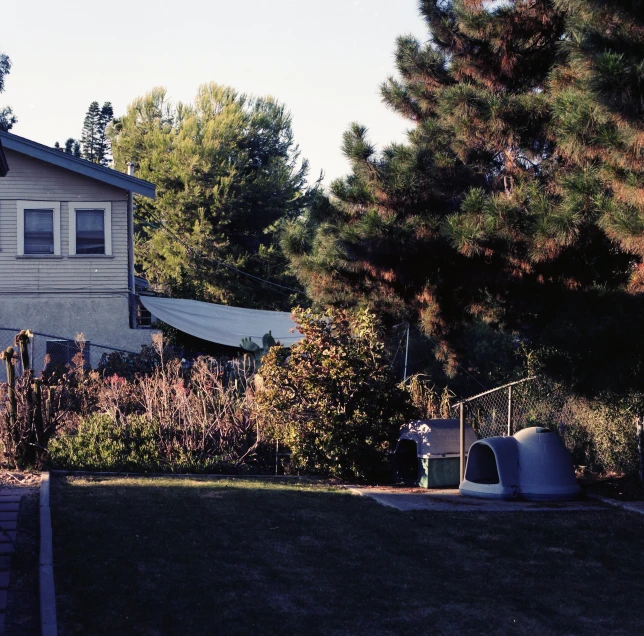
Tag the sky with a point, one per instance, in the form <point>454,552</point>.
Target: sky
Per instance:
<point>324,60</point>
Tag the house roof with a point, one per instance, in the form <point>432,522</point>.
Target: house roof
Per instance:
<point>4,166</point>
<point>69,162</point>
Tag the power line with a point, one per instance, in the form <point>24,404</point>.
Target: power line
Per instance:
<point>200,255</point>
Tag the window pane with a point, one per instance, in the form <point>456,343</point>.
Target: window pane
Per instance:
<point>39,231</point>
<point>90,232</point>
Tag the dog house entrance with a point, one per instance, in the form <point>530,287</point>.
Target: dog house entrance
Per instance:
<point>407,460</point>
<point>481,465</point>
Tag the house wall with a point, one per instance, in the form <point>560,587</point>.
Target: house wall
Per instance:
<point>64,295</point>
<point>34,180</point>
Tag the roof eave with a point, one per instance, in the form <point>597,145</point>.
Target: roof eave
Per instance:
<point>79,166</point>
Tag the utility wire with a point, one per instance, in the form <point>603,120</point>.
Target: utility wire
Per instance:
<point>163,226</point>
<point>200,255</point>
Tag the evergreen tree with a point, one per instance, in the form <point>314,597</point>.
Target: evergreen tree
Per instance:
<point>73,147</point>
<point>518,200</point>
<point>7,118</point>
<point>103,145</point>
<point>91,132</point>
<point>96,143</point>
<point>228,174</point>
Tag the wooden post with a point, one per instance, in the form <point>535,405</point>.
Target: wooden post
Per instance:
<point>510,432</point>
<point>640,445</point>
<point>462,440</point>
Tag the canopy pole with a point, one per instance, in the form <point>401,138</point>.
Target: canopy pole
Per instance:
<point>406,354</point>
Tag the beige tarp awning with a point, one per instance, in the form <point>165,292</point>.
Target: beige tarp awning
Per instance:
<point>223,324</point>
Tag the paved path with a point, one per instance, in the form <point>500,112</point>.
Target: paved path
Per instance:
<point>9,504</point>
<point>452,501</point>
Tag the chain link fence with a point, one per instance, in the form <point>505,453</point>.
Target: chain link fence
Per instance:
<point>512,407</point>
<point>47,352</point>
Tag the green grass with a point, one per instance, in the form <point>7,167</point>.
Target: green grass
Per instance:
<point>245,556</point>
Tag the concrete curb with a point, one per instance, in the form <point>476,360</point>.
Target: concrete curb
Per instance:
<point>92,473</point>
<point>624,505</point>
<point>48,623</point>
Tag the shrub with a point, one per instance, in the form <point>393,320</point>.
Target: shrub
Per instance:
<point>601,435</point>
<point>199,420</point>
<point>332,398</point>
<point>103,442</point>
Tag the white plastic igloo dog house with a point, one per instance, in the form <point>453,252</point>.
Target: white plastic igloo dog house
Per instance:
<point>533,464</point>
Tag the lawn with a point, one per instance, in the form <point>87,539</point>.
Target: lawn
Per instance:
<point>244,556</point>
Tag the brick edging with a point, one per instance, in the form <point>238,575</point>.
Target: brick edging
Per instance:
<point>48,623</point>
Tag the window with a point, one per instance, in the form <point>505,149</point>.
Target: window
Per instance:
<point>38,228</point>
<point>90,229</point>
<point>90,232</point>
<point>39,232</point>
<point>144,319</point>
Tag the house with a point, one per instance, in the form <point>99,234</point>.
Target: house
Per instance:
<point>66,250</point>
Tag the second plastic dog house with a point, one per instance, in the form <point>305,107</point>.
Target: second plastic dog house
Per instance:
<point>428,454</point>
<point>533,464</point>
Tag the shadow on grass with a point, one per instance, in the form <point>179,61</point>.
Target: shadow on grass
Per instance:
<point>241,556</point>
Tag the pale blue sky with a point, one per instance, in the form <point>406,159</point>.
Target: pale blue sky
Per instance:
<point>324,60</point>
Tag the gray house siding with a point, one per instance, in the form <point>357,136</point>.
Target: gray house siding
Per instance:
<point>33,180</point>
<point>64,295</point>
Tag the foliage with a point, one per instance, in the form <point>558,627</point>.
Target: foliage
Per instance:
<point>228,173</point>
<point>332,398</point>
<point>103,443</point>
<point>428,402</point>
<point>129,365</point>
<point>517,202</point>
<point>171,419</point>
<point>95,142</point>
<point>7,118</point>
<point>29,409</point>
<point>72,147</point>
<point>601,434</point>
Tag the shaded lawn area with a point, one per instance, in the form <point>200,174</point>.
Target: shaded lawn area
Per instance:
<point>22,616</point>
<point>244,556</point>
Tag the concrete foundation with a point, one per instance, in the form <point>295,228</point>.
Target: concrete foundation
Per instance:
<point>103,320</point>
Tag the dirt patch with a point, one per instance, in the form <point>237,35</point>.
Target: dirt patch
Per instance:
<point>19,479</point>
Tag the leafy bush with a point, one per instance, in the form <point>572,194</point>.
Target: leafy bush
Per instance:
<point>103,442</point>
<point>601,434</point>
<point>332,398</point>
<point>132,444</point>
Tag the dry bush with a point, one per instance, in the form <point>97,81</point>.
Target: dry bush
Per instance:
<point>201,418</point>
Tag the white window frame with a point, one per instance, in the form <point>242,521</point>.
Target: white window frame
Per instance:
<point>38,205</point>
<point>106,206</point>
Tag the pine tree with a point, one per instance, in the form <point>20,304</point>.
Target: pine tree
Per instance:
<point>518,200</point>
<point>103,145</point>
<point>228,173</point>
<point>91,133</point>
<point>7,118</point>
<point>73,147</point>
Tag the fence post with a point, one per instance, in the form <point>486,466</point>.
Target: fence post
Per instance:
<point>640,445</point>
<point>510,411</point>
<point>462,441</point>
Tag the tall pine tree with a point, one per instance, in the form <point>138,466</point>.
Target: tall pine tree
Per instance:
<point>95,140</point>
<point>518,200</point>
